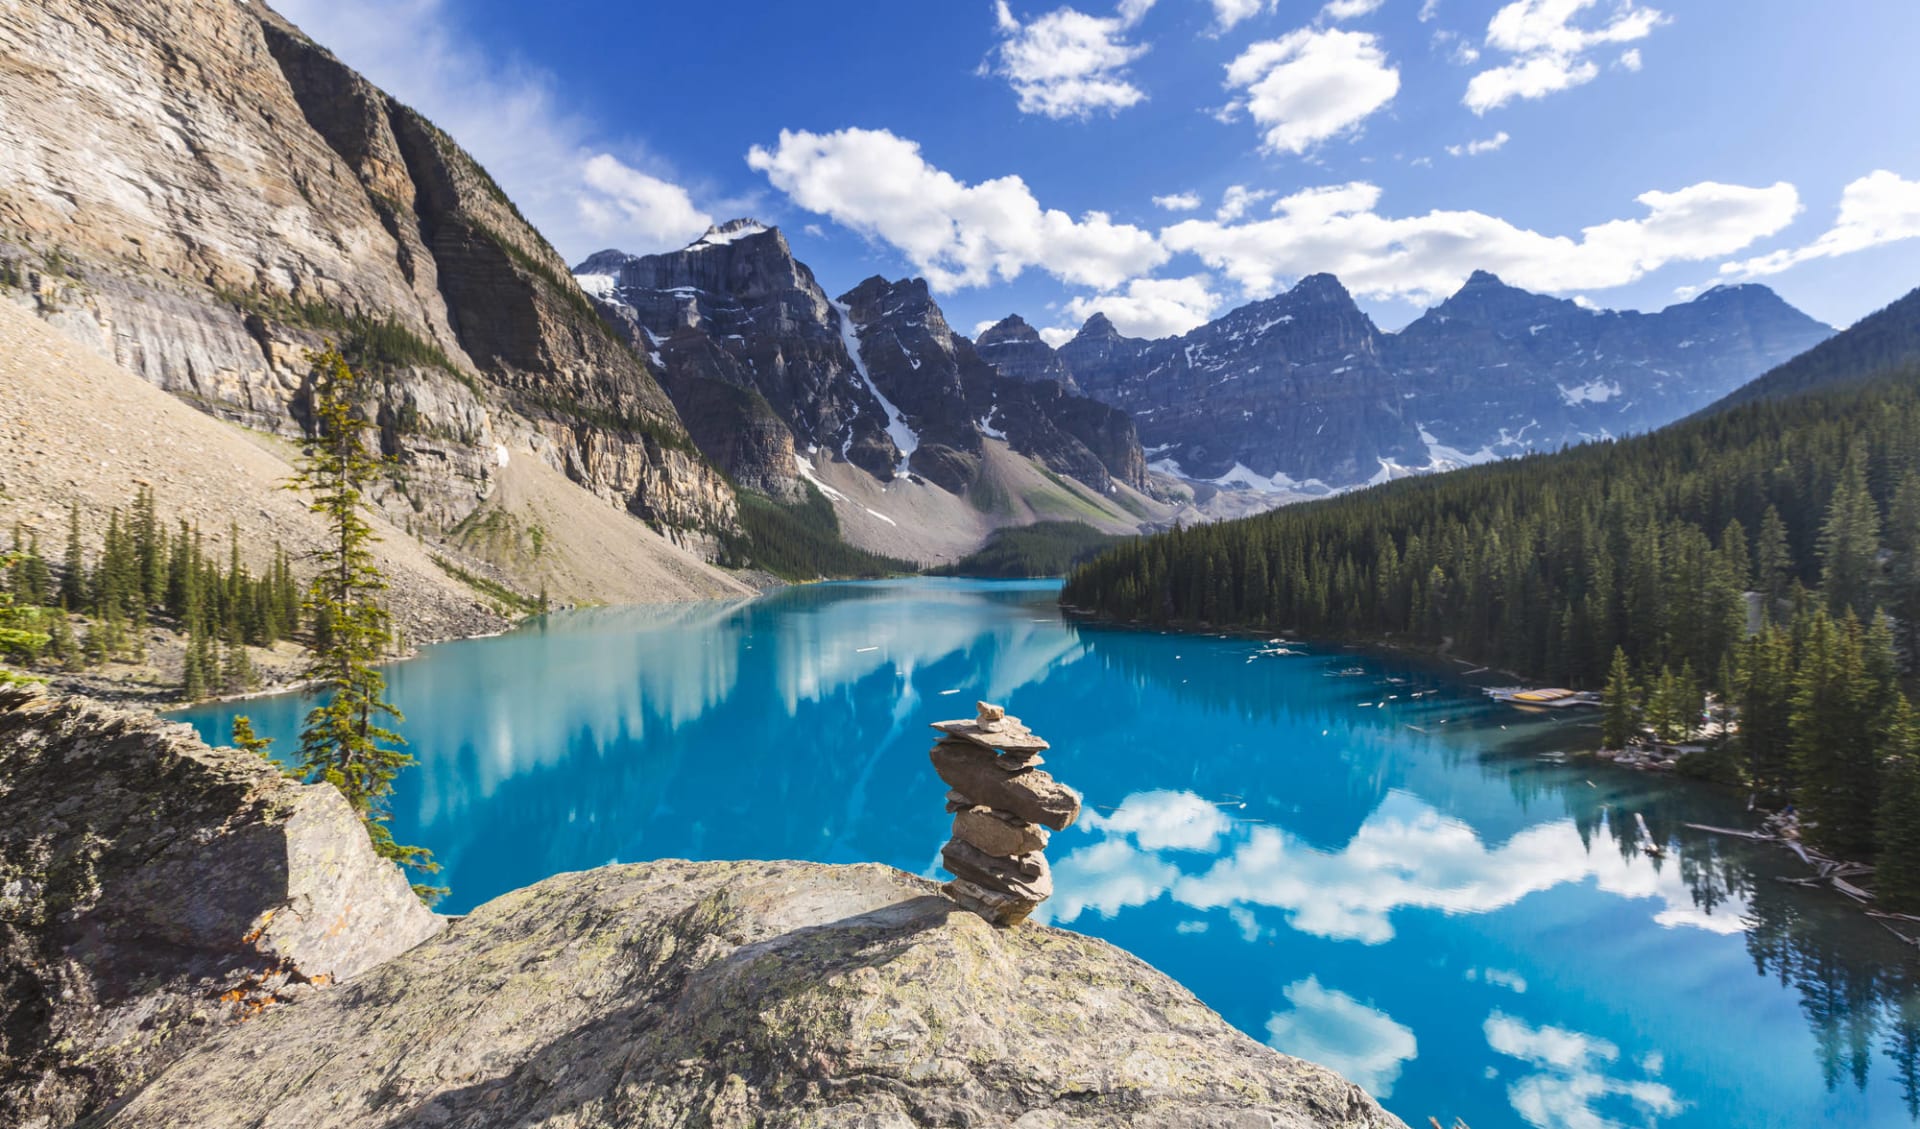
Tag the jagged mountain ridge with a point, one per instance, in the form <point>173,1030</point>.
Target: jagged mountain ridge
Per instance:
<point>224,194</point>
<point>1302,393</point>
<point>876,378</point>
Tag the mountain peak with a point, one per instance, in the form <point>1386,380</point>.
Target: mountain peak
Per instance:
<point>721,234</point>
<point>1097,326</point>
<point>1011,328</point>
<point>1320,287</point>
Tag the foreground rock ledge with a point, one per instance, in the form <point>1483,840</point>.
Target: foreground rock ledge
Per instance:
<point>746,994</point>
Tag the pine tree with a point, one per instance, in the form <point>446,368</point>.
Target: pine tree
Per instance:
<point>1835,707</point>
<point>1773,569</point>
<point>1903,574</point>
<point>246,740</point>
<point>1764,696</point>
<point>1619,723</point>
<point>73,568</point>
<point>21,636</point>
<point>345,740</point>
<point>1896,875</point>
<point>196,680</point>
<point>1666,708</point>
<point>1850,543</point>
<point>236,670</point>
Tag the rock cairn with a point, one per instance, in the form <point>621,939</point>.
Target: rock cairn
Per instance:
<point>1003,805</point>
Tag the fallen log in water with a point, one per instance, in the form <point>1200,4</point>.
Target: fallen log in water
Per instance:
<point>1757,836</point>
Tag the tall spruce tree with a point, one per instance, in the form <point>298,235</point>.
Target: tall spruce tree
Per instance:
<point>1902,599</point>
<point>1850,543</point>
<point>1835,707</point>
<point>346,740</point>
<point>1896,875</point>
<point>21,635</point>
<point>1621,717</point>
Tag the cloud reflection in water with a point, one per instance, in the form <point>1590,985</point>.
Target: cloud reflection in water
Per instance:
<point>1405,855</point>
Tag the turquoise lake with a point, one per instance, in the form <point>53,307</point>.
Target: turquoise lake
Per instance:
<point>1356,858</point>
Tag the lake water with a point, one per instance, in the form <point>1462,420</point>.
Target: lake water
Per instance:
<point>1355,858</point>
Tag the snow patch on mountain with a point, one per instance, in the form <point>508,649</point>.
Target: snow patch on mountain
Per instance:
<point>723,234</point>
<point>898,429</point>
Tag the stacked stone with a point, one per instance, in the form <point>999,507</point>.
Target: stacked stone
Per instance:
<point>1003,805</point>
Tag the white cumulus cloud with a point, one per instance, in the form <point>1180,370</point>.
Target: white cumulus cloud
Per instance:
<point>1312,85</point>
<point>954,233</point>
<point>1364,1044</point>
<point>625,200</point>
<point>1877,208</point>
<point>1227,13</point>
<point>1235,201</point>
<point>1425,257</point>
<point>1149,307</point>
<point>1479,145</point>
<point>1178,201</point>
<point>1349,9</point>
<point>1548,49</point>
<point>1067,63</point>
<point>580,191</point>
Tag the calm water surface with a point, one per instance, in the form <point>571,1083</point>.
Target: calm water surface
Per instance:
<point>1357,859</point>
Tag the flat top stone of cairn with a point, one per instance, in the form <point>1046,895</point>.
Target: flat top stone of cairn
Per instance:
<point>994,729</point>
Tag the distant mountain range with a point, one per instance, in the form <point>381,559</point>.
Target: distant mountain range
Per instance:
<point>1291,396</point>
<point>1301,394</point>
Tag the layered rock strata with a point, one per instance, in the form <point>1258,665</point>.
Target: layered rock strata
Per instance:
<point>1004,808</point>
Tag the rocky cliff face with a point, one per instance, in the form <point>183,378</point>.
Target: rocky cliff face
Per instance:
<point>153,891</point>
<point>876,378</point>
<point>1302,393</point>
<point>746,335</point>
<point>1294,385</point>
<point>190,938</point>
<point>221,194</point>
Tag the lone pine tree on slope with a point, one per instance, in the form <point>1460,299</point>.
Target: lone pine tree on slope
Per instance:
<point>346,740</point>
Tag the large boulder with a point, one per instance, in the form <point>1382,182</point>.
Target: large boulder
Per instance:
<point>745,994</point>
<point>154,890</point>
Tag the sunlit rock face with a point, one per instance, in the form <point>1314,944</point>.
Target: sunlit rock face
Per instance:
<point>750,993</point>
<point>222,195</point>
<point>1300,393</point>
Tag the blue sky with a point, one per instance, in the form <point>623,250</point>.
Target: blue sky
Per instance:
<point>1624,154</point>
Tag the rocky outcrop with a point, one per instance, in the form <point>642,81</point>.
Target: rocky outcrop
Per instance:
<point>1300,393</point>
<point>745,994</point>
<point>154,891</point>
<point>222,194</point>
